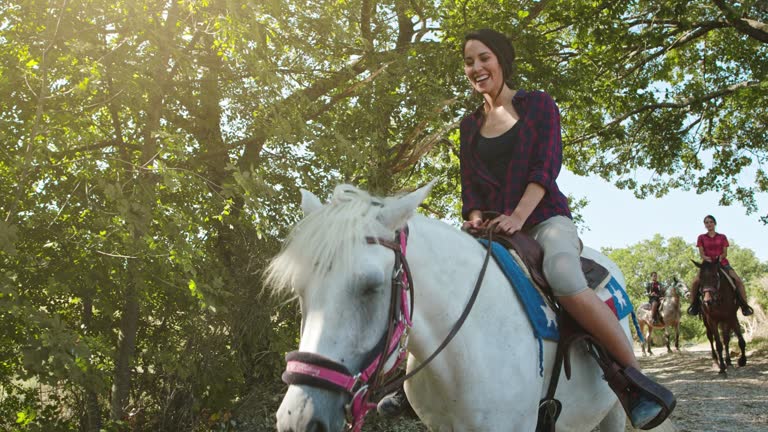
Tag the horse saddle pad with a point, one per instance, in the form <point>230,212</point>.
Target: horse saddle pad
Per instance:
<point>538,303</point>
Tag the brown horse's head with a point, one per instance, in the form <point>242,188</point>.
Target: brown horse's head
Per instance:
<point>712,279</point>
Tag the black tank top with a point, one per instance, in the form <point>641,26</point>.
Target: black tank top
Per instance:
<point>496,152</point>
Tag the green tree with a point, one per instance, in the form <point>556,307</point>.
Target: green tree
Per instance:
<point>655,95</point>
<point>672,258</point>
<point>153,152</point>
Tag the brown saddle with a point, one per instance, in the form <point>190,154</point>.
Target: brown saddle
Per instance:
<point>532,255</point>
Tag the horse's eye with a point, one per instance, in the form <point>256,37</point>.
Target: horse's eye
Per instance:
<point>371,289</point>
<point>370,283</point>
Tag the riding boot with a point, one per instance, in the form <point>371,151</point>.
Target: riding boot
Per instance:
<point>746,310</point>
<point>393,404</point>
<point>695,306</point>
<point>646,402</point>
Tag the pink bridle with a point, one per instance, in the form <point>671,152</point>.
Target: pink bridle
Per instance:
<point>306,368</point>
<point>369,385</point>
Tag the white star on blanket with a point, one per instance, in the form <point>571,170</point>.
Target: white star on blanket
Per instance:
<point>551,317</point>
<point>618,295</point>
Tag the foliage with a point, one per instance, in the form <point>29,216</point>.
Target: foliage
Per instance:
<point>153,153</point>
<point>671,258</point>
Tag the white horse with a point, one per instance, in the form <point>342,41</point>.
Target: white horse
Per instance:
<point>670,312</point>
<point>487,378</point>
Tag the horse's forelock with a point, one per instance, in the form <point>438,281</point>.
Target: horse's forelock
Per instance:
<point>709,271</point>
<point>329,236</point>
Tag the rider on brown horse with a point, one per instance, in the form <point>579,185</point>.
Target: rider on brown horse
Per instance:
<point>653,289</point>
<point>713,246</point>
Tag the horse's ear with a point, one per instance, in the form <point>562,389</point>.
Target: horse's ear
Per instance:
<point>309,202</point>
<point>696,263</point>
<point>397,211</point>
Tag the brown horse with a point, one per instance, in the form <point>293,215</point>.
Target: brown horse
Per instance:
<point>719,313</point>
<point>669,310</point>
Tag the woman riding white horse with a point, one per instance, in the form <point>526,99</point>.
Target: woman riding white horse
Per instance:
<point>487,378</point>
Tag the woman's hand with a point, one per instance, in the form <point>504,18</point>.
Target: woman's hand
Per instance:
<point>507,224</point>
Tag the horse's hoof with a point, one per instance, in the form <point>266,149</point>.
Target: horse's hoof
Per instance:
<point>722,372</point>
<point>742,361</point>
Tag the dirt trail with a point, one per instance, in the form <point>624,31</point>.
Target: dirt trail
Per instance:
<point>707,401</point>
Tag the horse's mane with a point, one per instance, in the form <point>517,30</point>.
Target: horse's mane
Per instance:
<point>330,235</point>
<point>709,268</point>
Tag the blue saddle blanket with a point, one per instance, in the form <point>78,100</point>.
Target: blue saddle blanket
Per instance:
<point>541,316</point>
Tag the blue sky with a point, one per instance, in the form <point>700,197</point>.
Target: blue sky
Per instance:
<point>617,219</point>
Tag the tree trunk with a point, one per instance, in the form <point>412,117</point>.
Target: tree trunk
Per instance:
<point>92,415</point>
<point>129,324</point>
<point>144,193</point>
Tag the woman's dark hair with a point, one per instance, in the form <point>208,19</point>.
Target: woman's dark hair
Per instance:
<point>710,217</point>
<point>501,47</point>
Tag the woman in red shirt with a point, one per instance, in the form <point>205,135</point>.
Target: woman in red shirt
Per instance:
<point>711,246</point>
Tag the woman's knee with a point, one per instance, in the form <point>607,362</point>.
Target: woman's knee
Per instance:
<point>563,272</point>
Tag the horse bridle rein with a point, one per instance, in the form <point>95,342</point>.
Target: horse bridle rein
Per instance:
<point>370,384</point>
<point>715,288</point>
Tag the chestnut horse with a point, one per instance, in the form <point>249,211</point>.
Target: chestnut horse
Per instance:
<point>719,313</point>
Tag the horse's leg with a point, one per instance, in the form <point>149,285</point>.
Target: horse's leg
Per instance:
<point>742,344</point>
<point>711,337</point>
<point>677,336</point>
<point>719,346</point>
<point>666,339</point>
<point>649,338</point>
<point>615,420</point>
<point>641,336</point>
<point>727,343</point>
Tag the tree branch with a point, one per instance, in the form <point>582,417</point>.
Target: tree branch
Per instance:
<point>752,28</point>
<point>674,105</point>
<point>534,13</point>
<point>321,87</point>
<point>404,24</point>
<point>365,22</point>
<point>690,36</point>
<point>349,91</point>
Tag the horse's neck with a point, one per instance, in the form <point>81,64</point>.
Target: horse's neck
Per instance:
<point>445,264</point>
<point>672,299</point>
<point>438,253</point>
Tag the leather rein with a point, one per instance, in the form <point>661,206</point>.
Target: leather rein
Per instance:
<point>372,383</point>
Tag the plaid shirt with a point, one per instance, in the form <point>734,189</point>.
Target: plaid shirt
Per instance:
<point>714,246</point>
<point>537,158</point>
<point>653,289</point>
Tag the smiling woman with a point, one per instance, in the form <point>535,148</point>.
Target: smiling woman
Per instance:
<point>511,155</point>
